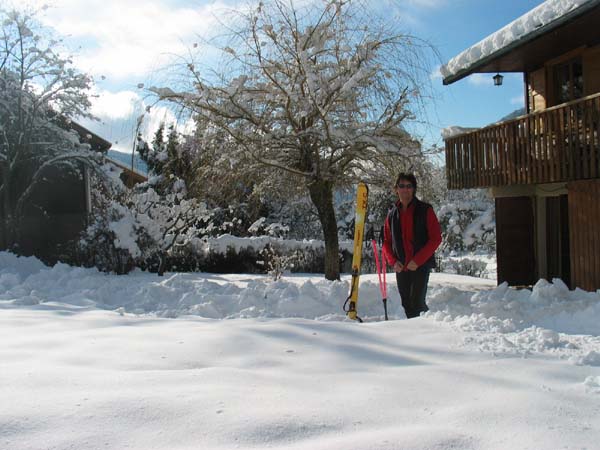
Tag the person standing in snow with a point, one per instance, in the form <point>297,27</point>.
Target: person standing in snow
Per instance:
<point>411,234</point>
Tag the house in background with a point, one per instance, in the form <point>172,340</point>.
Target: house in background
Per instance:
<point>542,168</point>
<point>59,207</point>
<point>130,177</point>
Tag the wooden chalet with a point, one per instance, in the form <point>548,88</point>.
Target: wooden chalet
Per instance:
<point>543,168</point>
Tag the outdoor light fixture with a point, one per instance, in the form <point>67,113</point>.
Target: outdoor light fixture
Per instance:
<point>498,79</point>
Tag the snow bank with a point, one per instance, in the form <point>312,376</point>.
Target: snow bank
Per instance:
<point>550,305</point>
<point>26,281</point>
<point>548,319</point>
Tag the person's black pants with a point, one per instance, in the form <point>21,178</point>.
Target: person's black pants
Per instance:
<point>412,286</point>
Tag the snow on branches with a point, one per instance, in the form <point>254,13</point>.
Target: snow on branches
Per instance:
<point>313,96</point>
<point>33,68</point>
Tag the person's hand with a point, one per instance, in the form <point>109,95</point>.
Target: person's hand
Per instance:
<point>412,265</point>
<point>398,267</point>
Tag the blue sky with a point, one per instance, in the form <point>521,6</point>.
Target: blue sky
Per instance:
<point>126,42</point>
<point>453,26</point>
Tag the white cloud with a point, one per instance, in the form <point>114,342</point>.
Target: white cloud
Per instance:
<point>126,38</point>
<point>436,73</point>
<point>119,105</point>
<point>481,79</point>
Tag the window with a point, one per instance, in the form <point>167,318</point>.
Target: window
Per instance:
<point>568,81</point>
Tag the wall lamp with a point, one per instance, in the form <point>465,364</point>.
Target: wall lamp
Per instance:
<point>498,79</point>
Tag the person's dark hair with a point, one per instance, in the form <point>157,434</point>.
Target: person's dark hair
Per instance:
<point>406,177</point>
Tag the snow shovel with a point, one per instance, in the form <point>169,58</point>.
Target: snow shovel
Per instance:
<point>381,271</point>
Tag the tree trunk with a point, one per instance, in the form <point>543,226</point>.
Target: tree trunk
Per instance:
<point>162,265</point>
<point>321,194</point>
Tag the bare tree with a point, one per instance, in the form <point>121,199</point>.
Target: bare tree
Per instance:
<point>322,91</point>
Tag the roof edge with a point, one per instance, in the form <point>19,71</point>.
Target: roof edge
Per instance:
<point>571,15</point>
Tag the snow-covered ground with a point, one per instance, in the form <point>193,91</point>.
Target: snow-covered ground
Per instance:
<point>90,361</point>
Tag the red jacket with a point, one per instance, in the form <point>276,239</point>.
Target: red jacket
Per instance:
<point>434,232</point>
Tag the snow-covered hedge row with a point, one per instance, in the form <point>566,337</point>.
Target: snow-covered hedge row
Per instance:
<point>466,226</point>
<point>261,254</point>
<point>225,254</point>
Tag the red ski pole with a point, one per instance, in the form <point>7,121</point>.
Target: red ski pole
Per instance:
<point>381,271</point>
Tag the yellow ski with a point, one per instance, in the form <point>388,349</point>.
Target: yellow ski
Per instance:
<point>362,195</point>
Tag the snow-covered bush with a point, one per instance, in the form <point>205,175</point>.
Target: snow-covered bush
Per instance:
<point>262,227</point>
<point>164,222</point>
<point>233,219</point>
<point>101,245</point>
<point>299,215</point>
<point>468,223</point>
<point>141,226</point>
<point>468,231</point>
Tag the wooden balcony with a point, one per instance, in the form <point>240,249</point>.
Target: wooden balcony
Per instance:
<point>552,145</point>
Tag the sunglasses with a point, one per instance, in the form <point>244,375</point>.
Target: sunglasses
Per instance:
<point>404,186</point>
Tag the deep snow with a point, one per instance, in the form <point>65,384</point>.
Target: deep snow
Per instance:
<point>89,360</point>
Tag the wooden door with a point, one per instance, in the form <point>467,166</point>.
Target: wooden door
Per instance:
<point>515,237</point>
<point>557,239</point>
<point>584,220</point>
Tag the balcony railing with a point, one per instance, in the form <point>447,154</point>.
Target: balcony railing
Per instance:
<point>556,144</point>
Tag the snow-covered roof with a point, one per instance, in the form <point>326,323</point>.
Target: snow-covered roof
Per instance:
<point>540,20</point>
<point>139,176</point>
<point>97,143</point>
